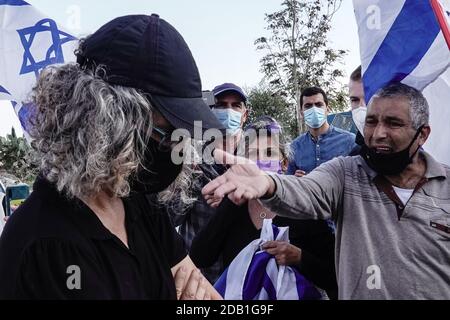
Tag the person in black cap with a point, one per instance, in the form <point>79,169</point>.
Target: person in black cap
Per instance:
<point>102,130</point>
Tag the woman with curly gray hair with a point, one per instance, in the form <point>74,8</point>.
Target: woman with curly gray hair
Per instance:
<point>102,129</point>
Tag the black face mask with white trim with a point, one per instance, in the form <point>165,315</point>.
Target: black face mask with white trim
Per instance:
<point>389,163</point>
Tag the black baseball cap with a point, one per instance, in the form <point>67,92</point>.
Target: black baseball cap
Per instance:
<point>147,53</point>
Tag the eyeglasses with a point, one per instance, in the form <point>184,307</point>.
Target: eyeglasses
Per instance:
<point>165,142</point>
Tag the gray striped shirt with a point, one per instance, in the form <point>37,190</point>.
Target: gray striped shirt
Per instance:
<point>378,254</point>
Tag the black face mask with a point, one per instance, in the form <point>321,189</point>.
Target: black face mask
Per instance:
<point>159,172</point>
<point>389,163</point>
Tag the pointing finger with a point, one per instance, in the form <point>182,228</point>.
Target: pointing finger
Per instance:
<point>213,185</point>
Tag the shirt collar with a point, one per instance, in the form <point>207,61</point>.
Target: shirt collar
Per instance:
<point>91,224</point>
<point>330,130</point>
<point>434,168</point>
<point>88,222</point>
<point>77,211</point>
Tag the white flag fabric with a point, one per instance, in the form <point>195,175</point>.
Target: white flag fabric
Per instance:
<point>255,275</point>
<point>408,41</point>
<point>29,41</point>
<point>438,96</point>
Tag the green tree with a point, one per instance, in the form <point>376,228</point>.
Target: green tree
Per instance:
<point>263,102</point>
<point>298,54</point>
<point>16,157</point>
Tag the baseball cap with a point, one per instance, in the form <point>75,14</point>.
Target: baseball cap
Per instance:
<point>225,87</point>
<point>147,53</point>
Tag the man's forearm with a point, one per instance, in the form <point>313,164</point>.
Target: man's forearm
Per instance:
<point>300,198</point>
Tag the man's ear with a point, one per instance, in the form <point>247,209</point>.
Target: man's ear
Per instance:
<point>301,115</point>
<point>424,134</point>
<point>300,111</point>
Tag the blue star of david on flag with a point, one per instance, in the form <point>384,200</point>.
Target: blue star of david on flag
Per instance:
<point>54,53</point>
<point>3,90</point>
<point>14,3</point>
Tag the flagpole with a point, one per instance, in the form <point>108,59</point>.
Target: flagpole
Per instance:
<point>442,19</point>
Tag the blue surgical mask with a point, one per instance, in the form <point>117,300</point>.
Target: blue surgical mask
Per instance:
<point>314,117</point>
<point>229,118</point>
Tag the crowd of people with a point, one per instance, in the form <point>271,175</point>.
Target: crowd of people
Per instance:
<point>113,216</point>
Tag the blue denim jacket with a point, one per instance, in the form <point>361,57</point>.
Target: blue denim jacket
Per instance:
<point>309,154</point>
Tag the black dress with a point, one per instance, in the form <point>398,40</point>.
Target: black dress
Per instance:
<point>231,229</point>
<point>55,248</point>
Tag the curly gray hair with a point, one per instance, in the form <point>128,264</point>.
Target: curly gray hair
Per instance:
<point>90,135</point>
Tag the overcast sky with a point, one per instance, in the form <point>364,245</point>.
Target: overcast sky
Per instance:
<point>220,34</point>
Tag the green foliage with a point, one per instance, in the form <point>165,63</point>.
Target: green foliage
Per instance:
<point>263,102</point>
<point>298,53</point>
<point>16,157</point>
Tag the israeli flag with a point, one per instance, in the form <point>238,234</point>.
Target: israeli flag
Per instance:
<point>29,41</point>
<point>409,41</point>
<point>255,275</point>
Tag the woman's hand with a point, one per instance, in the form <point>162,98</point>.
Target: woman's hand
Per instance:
<point>193,288</point>
<point>191,284</point>
<point>285,254</point>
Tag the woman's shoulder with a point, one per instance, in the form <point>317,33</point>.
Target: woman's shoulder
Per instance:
<point>41,267</point>
<point>30,241</point>
<point>44,215</point>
